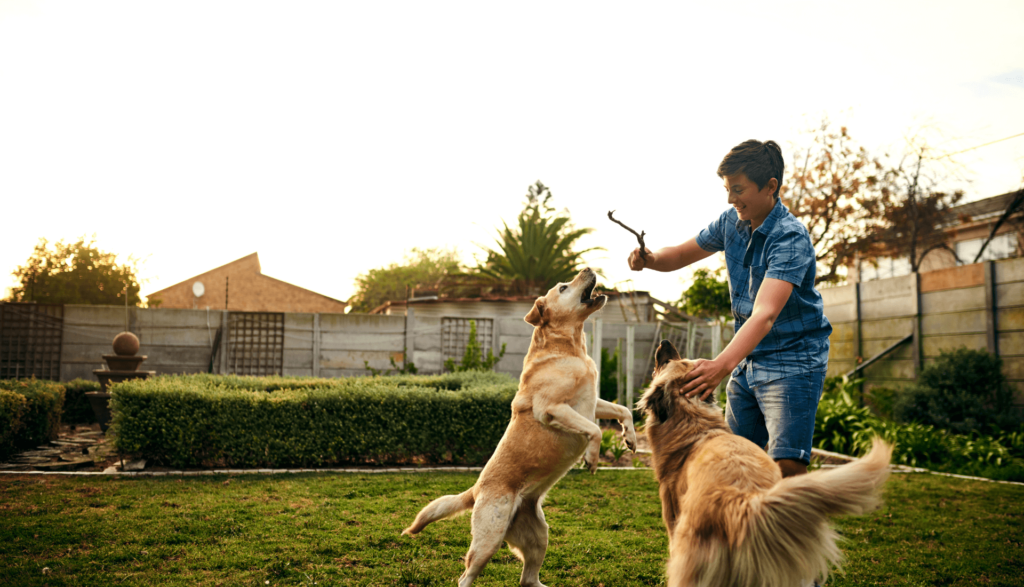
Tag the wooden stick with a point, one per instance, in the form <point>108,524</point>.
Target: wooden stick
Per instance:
<point>639,237</point>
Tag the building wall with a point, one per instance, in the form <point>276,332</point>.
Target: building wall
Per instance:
<point>240,286</point>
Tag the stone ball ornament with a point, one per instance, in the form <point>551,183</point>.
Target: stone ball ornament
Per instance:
<point>126,344</point>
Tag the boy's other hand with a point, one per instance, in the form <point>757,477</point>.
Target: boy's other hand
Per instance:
<point>704,378</point>
<point>637,263</point>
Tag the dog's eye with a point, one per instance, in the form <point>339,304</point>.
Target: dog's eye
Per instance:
<point>562,289</point>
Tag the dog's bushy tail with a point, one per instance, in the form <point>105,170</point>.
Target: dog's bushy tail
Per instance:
<point>440,509</point>
<point>782,537</point>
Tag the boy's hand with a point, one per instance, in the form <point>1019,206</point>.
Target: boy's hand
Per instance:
<point>637,263</point>
<point>704,378</point>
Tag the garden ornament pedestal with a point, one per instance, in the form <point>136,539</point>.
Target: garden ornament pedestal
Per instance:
<point>121,366</point>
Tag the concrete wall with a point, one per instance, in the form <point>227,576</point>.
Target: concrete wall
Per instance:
<point>978,306</point>
<point>321,345</point>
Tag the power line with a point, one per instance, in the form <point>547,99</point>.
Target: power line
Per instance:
<point>985,145</point>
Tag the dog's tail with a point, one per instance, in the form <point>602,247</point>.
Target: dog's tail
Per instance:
<point>782,536</point>
<point>440,509</point>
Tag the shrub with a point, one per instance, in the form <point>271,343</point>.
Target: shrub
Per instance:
<point>881,400</point>
<point>609,388</point>
<point>279,421</point>
<point>963,391</point>
<point>77,409</point>
<point>12,411</point>
<point>32,421</point>
<point>843,426</point>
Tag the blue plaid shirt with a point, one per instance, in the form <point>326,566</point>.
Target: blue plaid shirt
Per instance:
<point>780,249</point>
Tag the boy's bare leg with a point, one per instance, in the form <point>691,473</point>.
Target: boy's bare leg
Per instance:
<point>791,468</point>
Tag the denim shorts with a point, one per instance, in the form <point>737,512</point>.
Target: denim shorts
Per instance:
<point>778,415</point>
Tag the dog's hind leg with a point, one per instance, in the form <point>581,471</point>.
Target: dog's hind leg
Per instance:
<point>609,411</point>
<point>528,539</point>
<point>439,509</point>
<point>492,515</point>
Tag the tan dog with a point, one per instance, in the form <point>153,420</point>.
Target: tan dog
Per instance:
<point>552,426</point>
<point>732,519</point>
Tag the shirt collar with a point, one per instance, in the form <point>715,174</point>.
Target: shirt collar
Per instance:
<point>778,211</point>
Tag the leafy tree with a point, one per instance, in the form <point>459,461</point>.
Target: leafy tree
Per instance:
<point>422,269</point>
<point>474,359</point>
<point>538,251</point>
<point>915,212</point>
<point>835,189</point>
<point>75,273</point>
<point>707,296</point>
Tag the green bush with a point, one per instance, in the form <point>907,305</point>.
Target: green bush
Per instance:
<point>77,409</point>
<point>881,400</point>
<point>33,421</point>
<point>279,421</point>
<point>963,391</point>
<point>609,388</point>
<point>844,426</point>
<point>12,411</point>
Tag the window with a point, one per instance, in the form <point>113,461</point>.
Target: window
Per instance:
<point>1000,247</point>
<point>887,267</point>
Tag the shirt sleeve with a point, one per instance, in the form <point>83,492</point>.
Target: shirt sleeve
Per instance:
<point>712,238</point>
<point>789,257</point>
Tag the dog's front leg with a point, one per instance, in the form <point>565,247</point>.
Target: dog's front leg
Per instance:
<point>610,411</point>
<point>564,418</point>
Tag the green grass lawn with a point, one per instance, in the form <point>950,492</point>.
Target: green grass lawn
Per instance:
<point>342,529</point>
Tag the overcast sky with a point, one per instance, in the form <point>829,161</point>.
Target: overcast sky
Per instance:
<point>331,137</point>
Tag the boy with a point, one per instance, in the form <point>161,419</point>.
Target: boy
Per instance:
<point>778,358</point>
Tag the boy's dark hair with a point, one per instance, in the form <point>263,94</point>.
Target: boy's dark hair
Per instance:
<point>759,161</point>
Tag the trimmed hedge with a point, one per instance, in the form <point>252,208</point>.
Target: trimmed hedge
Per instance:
<point>30,413</point>
<point>210,420</point>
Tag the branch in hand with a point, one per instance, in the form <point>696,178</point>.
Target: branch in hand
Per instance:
<point>639,237</point>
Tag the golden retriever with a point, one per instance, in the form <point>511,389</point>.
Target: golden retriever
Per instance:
<point>553,424</point>
<point>732,519</point>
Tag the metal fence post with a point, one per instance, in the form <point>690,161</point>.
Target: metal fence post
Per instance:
<point>630,336</point>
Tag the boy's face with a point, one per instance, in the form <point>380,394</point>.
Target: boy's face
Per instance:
<point>751,203</point>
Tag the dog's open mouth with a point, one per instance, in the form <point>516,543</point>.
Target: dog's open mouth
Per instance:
<point>587,297</point>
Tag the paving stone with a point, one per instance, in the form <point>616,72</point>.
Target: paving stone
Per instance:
<point>64,466</point>
<point>135,465</point>
<point>52,452</point>
<point>30,460</point>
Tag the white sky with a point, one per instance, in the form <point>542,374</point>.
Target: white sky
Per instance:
<point>331,137</point>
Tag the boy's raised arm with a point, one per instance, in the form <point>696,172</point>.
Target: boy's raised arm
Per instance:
<point>669,258</point>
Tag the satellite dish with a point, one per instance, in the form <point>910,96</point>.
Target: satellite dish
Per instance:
<point>198,289</point>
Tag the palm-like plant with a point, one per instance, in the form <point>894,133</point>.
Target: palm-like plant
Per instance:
<point>538,252</point>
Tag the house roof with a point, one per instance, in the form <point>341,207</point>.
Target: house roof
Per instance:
<point>249,263</point>
<point>983,209</point>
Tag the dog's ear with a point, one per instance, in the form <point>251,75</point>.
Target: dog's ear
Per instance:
<point>666,352</point>
<point>657,403</point>
<point>536,315</point>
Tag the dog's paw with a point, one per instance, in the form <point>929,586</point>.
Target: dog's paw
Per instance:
<point>629,437</point>
<point>591,458</point>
